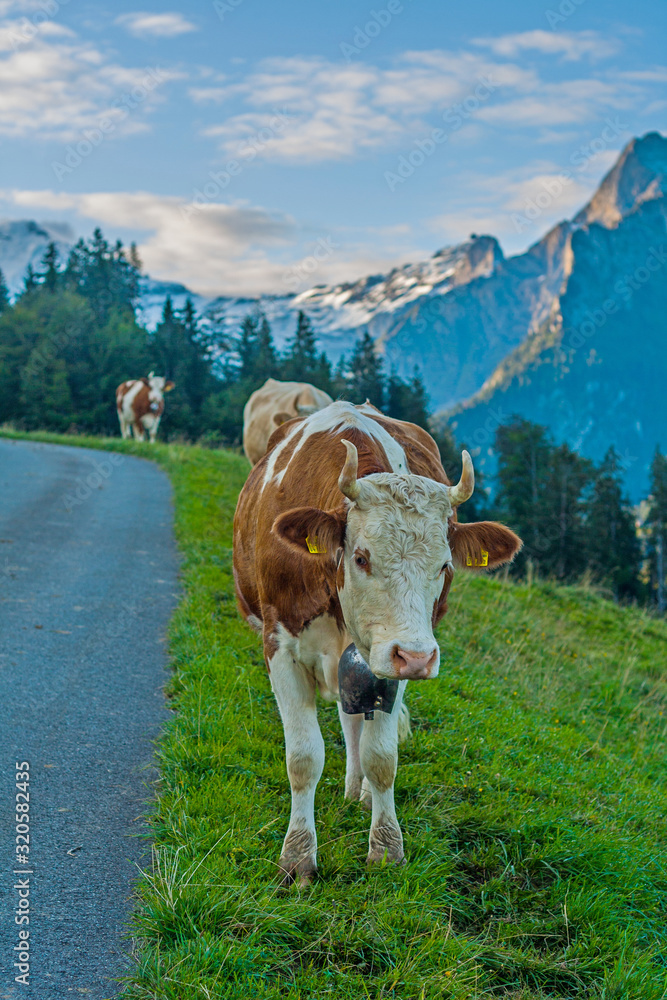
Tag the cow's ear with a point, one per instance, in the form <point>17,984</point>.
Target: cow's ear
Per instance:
<point>314,532</point>
<point>281,418</point>
<point>482,544</point>
<point>168,386</point>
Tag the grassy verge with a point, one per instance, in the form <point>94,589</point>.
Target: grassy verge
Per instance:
<point>531,798</point>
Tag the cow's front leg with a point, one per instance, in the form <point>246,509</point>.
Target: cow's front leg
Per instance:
<point>138,429</point>
<point>294,688</point>
<point>379,760</point>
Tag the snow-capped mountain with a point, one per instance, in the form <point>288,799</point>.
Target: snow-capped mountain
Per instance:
<point>484,329</point>
<point>23,243</point>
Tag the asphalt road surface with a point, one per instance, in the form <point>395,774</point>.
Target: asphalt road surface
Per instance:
<point>88,580</point>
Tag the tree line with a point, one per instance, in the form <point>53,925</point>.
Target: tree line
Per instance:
<point>574,516</point>
<point>71,336</point>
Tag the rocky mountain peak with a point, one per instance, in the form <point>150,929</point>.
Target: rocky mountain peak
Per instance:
<point>639,175</point>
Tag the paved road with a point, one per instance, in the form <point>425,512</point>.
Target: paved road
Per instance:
<point>87,585</point>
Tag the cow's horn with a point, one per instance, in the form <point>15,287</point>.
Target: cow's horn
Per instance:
<point>464,488</point>
<point>347,481</point>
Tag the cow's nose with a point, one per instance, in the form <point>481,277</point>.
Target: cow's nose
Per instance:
<point>411,665</point>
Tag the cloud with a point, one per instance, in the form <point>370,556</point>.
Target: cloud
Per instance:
<point>570,45</point>
<point>142,24</point>
<point>338,111</point>
<point>53,84</point>
<point>212,249</point>
<point>232,249</point>
<point>207,95</point>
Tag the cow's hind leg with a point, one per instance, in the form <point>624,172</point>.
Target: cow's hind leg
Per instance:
<point>294,689</point>
<point>379,759</point>
<point>138,429</point>
<point>352,726</point>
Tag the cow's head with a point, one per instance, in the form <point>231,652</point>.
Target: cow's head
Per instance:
<point>396,547</point>
<point>157,386</point>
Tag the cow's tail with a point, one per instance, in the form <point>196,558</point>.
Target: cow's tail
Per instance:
<point>404,728</point>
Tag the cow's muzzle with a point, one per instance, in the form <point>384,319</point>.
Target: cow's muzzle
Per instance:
<point>411,665</point>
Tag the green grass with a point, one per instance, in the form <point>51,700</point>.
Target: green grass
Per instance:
<point>531,796</point>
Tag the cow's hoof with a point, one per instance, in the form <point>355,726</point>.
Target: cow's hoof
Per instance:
<point>386,846</point>
<point>384,858</point>
<point>303,871</point>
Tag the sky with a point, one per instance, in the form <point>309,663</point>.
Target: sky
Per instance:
<point>254,147</point>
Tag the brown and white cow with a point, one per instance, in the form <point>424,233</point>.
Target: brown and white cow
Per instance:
<point>273,404</point>
<point>140,405</point>
<point>370,496</point>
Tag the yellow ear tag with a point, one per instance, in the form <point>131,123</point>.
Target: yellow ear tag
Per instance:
<point>484,561</point>
<point>314,546</point>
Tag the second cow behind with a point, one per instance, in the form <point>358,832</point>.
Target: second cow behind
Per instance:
<point>272,405</point>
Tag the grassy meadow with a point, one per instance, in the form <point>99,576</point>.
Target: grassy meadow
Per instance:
<point>531,796</point>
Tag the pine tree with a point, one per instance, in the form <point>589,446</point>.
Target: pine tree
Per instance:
<point>247,348</point>
<point>408,400</point>
<point>564,540</point>
<point>104,275</point>
<point>134,258</point>
<point>51,274</point>
<point>367,381</point>
<point>167,339</point>
<point>4,294</point>
<point>656,522</point>
<point>523,451</point>
<point>613,549</point>
<point>302,363</point>
<point>266,360</point>
<point>30,282</point>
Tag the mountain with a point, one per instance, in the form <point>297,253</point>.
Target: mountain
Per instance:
<point>24,242</point>
<point>594,372</point>
<point>568,334</point>
<point>455,315</point>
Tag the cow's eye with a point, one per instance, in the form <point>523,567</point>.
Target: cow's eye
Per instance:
<point>361,561</point>
<point>447,566</point>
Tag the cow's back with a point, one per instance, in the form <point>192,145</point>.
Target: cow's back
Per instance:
<point>274,399</point>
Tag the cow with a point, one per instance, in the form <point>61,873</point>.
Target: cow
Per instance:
<point>140,405</point>
<point>273,404</point>
<point>347,532</point>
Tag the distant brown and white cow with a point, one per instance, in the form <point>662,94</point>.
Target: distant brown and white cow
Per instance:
<point>274,404</point>
<point>346,531</point>
<point>140,405</point>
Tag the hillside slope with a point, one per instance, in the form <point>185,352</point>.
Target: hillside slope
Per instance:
<point>531,796</point>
